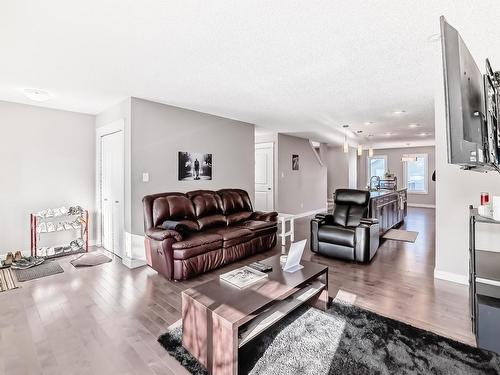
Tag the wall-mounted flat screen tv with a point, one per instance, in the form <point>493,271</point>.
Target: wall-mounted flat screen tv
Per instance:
<point>471,135</point>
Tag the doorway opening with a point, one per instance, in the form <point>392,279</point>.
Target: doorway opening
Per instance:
<point>264,176</point>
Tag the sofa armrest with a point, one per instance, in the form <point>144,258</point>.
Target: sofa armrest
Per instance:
<point>159,234</point>
<point>264,216</point>
<point>366,241</point>
<point>316,223</point>
<point>369,220</point>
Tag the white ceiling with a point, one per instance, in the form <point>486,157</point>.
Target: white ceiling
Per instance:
<point>301,67</point>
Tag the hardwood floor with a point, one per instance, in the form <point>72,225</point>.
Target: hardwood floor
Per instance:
<point>106,319</point>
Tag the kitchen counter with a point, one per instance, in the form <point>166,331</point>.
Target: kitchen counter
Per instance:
<point>389,207</point>
<point>380,193</point>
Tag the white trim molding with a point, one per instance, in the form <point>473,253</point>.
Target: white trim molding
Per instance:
<point>307,213</point>
<point>450,276</point>
<point>135,255</point>
<point>421,205</point>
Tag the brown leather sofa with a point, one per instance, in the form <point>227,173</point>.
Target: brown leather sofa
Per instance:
<point>219,227</point>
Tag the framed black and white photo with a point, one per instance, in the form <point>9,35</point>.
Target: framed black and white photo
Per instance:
<point>295,162</point>
<point>195,166</point>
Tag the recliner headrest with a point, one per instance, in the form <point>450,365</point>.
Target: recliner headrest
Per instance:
<point>352,197</point>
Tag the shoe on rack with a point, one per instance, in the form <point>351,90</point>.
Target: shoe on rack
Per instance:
<point>76,224</point>
<point>41,228</point>
<point>50,251</point>
<point>18,256</point>
<point>50,213</point>
<point>42,251</point>
<point>57,212</point>
<point>60,227</point>
<point>68,226</point>
<point>64,210</point>
<point>51,227</point>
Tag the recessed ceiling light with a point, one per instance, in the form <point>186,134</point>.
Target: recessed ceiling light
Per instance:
<point>37,95</point>
<point>423,134</point>
<point>389,133</point>
<point>369,123</point>
<point>399,112</point>
<point>414,125</point>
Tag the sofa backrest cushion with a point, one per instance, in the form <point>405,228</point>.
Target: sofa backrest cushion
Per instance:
<point>169,206</point>
<point>350,206</point>
<point>235,200</point>
<point>208,208</point>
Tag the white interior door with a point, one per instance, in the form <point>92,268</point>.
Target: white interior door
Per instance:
<point>264,176</point>
<point>112,192</point>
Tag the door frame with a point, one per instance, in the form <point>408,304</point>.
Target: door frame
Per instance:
<point>100,132</point>
<point>271,145</point>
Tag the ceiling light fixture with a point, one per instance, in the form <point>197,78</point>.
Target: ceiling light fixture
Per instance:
<point>346,145</point>
<point>360,150</point>
<point>423,134</point>
<point>414,125</point>
<point>389,134</point>
<point>369,123</point>
<point>37,95</point>
<point>370,149</point>
<point>399,112</point>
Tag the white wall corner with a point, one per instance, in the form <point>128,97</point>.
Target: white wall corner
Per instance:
<point>450,276</point>
<point>135,255</point>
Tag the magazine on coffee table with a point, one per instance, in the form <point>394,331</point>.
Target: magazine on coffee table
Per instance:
<point>243,277</point>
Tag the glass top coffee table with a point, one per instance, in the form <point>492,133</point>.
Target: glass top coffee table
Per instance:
<point>219,318</point>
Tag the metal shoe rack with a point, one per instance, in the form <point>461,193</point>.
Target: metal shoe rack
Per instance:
<point>83,231</point>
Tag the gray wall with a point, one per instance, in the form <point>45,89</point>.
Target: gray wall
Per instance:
<point>456,189</point>
<point>303,190</point>
<point>48,160</point>
<point>342,169</point>
<point>160,131</point>
<point>395,165</point>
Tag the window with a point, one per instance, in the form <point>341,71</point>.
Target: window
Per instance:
<point>377,166</point>
<point>415,173</point>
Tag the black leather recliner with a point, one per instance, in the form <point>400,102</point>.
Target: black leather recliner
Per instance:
<point>347,233</point>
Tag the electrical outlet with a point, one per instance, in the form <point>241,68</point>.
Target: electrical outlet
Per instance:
<point>145,177</point>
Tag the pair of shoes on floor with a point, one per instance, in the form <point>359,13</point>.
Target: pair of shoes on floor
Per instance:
<point>27,262</point>
<point>11,258</point>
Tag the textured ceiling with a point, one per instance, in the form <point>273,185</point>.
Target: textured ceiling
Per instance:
<point>300,67</point>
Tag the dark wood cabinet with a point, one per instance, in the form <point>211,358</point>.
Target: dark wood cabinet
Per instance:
<point>389,207</point>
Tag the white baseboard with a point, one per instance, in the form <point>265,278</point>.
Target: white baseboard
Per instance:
<point>308,213</point>
<point>450,276</point>
<point>422,205</point>
<point>135,255</point>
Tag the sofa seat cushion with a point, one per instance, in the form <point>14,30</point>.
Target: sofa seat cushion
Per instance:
<point>195,244</point>
<point>232,235</point>
<point>258,227</point>
<point>336,235</point>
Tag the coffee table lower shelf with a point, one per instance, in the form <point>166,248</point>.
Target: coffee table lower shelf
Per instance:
<point>218,319</point>
<point>276,312</point>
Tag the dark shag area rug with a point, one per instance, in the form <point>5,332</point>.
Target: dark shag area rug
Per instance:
<point>346,340</point>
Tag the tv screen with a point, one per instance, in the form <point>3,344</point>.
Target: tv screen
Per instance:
<point>465,103</point>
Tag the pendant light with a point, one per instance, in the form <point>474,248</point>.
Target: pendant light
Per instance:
<point>360,150</point>
<point>346,145</point>
<point>370,149</point>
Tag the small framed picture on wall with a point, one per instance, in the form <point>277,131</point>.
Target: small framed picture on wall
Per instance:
<point>194,166</point>
<point>295,162</point>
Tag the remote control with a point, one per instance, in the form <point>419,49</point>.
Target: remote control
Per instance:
<point>261,267</point>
